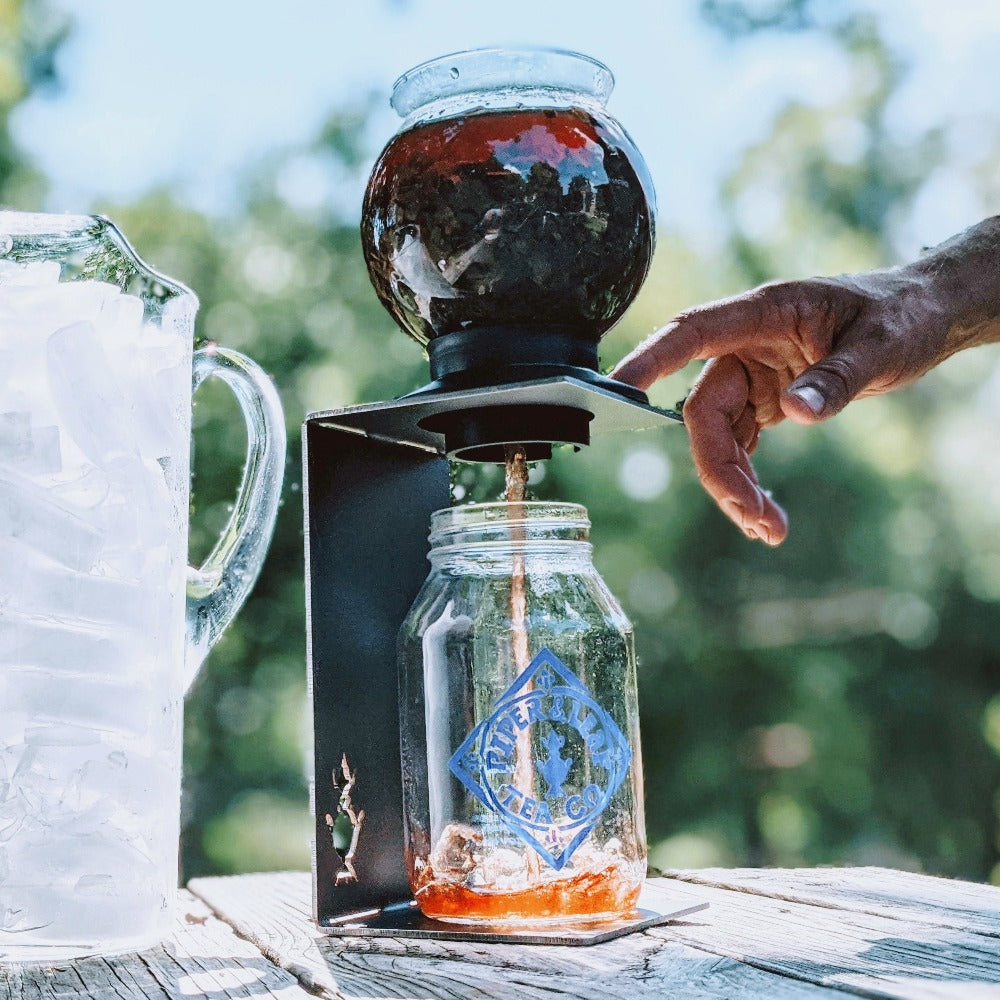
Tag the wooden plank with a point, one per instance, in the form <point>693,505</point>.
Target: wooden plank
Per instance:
<point>203,957</point>
<point>911,896</point>
<point>868,954</point>
<point>274,912</point>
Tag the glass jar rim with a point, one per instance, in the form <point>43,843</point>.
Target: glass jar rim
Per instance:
<point>16,223</point>
<point>449,522</point>
<point>86,231</point>
<point>497,68</point>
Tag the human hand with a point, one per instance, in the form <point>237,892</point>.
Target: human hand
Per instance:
<point>797,349</point>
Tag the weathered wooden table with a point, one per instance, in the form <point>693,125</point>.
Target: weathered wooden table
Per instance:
<point>769,934</point>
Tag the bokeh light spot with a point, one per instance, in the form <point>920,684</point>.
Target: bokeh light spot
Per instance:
<point>644,473</point>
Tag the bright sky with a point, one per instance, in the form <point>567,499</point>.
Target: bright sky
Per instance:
<point>192,97</point>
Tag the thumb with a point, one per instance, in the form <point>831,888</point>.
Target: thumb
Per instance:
<point>826,387</point>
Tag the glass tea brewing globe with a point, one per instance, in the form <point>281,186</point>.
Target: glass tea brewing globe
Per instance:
<point>510,219</point>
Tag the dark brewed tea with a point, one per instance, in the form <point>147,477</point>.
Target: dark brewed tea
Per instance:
<point>532,219</point>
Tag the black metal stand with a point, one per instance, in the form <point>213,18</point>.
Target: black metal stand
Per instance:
<point>374,474</point>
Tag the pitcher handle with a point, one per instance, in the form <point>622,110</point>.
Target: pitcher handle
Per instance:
<point>218,588</point>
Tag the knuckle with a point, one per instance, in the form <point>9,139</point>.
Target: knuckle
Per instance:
<point>695,319</point>
<point>780,295</point>
<point>885,335</point>
<point>794,309</point>
<point>704,477</point>
<point>698,403</point>
<point>694,411</point>
<point>840,377</point>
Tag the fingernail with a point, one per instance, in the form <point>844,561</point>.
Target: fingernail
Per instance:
<point>750,533</point>
<point>811,397</point>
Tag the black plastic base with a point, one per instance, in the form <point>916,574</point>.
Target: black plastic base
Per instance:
<point>477,355</point>
<point>479,435</point>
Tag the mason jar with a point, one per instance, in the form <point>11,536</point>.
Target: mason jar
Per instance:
<point>522,774</point>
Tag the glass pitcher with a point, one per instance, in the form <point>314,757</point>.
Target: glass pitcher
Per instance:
<point>522,777</point>
<point>102,624</point>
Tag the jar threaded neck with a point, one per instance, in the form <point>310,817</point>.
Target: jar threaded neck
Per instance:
<point>501,524</point>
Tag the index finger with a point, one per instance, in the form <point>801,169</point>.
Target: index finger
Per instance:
<point>706,332</point>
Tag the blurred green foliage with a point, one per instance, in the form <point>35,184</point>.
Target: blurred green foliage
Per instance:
<point>831,701</point>
<point>30,34</point>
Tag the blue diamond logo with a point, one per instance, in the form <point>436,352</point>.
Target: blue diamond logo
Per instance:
<point>547,760</point>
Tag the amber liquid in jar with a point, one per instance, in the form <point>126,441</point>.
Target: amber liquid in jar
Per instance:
<point>523,218</point>
<point>604,895</point>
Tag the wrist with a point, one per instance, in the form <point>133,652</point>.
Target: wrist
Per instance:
<point>961,278</point>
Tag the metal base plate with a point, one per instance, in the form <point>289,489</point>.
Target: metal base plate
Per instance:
<point>403,421</point>
<point>404,920</point>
